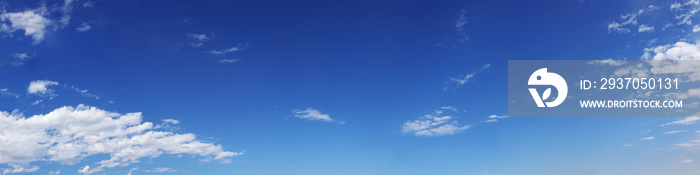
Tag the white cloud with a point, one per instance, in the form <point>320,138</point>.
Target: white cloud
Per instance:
<point>679,51</point>
<point>85,169</point>
<point>645,28</point>
<point>461,25</point>
<point>494,118</point>
<point>312,114</point>
<point>65,12</point>
<point>648,138</point>
<point>37,102</point>
<point>461,80</point>
<point>609,62</point>
<point>84,27</point>
<point>685,121</point>
<point>693,144</point>
<point>21,56</point>
<point>161,170</point>
<point>131,170</point>
<point>687,10</point>
<point>173,121</point>
<point>5,92</point>
<point>67,135</point>
<point>686,161</point>
<point>199,39</point>
<point>40,87</point>
<point>674,131</point>
<point>462,20</point>
<point>228,60</point>
<point>32,22</point>
<point>85,93</point>
<point>627,19</point>
<point>453,109</point>
<point>433,125</point>
<point>224,51</point>
<point>55,172</point>
<point>20,169</point>
<point>627,145</point>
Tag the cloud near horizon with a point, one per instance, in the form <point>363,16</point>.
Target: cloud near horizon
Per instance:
<point>69,134</point>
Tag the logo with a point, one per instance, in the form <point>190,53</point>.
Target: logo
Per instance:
<point>542,77</point>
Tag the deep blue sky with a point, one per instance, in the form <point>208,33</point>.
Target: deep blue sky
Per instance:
<point>372,66</point>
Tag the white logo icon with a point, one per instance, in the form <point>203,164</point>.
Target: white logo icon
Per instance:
<point>542,77</point>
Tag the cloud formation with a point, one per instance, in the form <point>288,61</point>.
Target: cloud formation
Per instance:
<point>69,134</point>
<point>84,27</point>
<point>40,87</point>
<point>435,124</point>
<point>628,20</point>
<point>494,118</point>
<point>463,79</point>
<point>312,114</point>
<point>685,121</point>
<point>224,51</point>
<point>32,22</point>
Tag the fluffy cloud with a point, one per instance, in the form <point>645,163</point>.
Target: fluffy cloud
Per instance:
<point>312,114</point>
<point>648,138</point>
<point>434,124</point>
<point>679,51</point>
<point>33,22</point>
<point>69,134</point>
<point>40,87</point>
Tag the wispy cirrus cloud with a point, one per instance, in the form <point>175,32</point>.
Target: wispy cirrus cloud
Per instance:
<point>692,119</point>
<point>313,114</point>
<point>494,118</point>
<point>674,131</point>
<point>629,20</point>
<point>225,51</point>
<point>464,79</point>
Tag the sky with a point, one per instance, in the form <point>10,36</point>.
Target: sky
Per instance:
<point>324,87</point>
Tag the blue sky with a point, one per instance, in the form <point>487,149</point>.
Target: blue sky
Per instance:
<point>318,87</point>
